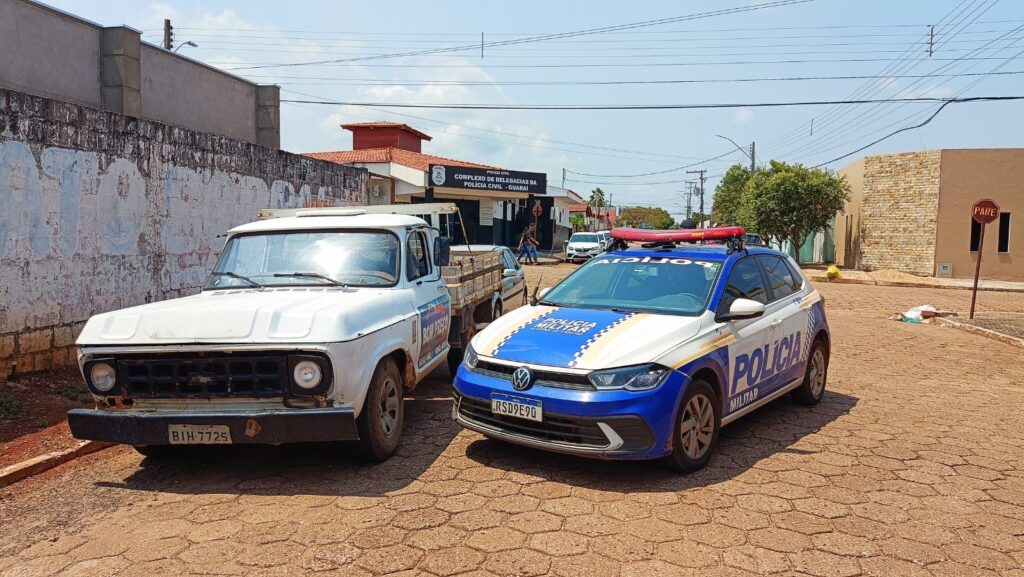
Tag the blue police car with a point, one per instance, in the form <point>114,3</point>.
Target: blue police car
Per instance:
<point>645,353</point>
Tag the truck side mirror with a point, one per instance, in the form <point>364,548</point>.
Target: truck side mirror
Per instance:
<point>442,251</point>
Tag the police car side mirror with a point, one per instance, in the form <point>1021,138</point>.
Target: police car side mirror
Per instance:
<point>743,309</point>
<point>543,291</point>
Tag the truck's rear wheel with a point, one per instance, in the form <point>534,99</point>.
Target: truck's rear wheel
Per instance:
<point>380,423</point>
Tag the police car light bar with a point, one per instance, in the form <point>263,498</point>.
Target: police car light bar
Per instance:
<point>679,235</point>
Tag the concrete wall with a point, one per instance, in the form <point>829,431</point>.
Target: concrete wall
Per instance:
<point>32,35</point>
<point>102,211</point>
<point>899,211</point>
<point>847,239</point>
<point>50,53</point>
<point>966,177</point>
<point>175,88</point>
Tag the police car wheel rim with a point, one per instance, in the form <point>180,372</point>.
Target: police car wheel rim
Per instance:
<point>388,406</point>
<point>698,426</point>
<point>817,376</point>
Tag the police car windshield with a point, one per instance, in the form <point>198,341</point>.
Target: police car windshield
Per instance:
<point>656,284</point>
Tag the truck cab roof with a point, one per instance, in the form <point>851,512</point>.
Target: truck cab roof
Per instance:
<point>314,221</point>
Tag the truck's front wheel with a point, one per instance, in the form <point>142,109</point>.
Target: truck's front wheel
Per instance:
<point>380,423</point>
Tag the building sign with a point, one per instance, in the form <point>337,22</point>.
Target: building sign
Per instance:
<point>467,178</point>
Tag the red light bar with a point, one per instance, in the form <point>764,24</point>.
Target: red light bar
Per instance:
<point>679,235</point>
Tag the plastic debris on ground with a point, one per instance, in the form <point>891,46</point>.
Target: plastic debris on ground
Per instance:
<point>921,313</point>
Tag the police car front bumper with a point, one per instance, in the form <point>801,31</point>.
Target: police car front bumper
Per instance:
<point>588,423</point>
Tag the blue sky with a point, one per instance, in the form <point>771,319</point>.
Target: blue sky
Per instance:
<point>827,37</point>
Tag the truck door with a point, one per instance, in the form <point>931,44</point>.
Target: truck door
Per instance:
<point>513,279</point>
<point>430,301</point>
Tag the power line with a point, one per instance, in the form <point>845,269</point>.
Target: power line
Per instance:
<point>452,106</point>
<point>473,34</point>
<point>698,163</point>
<point>596,65</point>
<point>384,82</point>
<point>864,89</point>
<point>605,29</point>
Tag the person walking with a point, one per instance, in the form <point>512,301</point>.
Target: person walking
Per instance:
<point>531,244</point>
<point>524,251</point>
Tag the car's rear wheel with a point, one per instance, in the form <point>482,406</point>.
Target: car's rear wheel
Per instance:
<point>696,430</point>
<point>380,423</point>
<point>813,388</point>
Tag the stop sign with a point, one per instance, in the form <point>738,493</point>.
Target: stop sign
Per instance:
<point>985,211</point>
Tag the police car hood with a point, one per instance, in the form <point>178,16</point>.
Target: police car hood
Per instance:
<point>583,338</point>
<point>273,315</point>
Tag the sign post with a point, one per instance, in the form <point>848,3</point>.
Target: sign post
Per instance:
<point>983,212</point>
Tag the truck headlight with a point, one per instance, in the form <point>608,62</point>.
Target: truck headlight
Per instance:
<point>635,378</point>
<point>102,376</point>
<point>307,374</point>
<point>470,358</point>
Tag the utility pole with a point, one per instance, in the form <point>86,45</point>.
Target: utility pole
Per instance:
<point>168,34</point>
<point>563,178</point>
<point>753,165</point>
<point>931,39</point>
<point>701,172</point>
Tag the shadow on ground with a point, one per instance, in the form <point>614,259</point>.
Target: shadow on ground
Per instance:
<point>771,430</point>
<point>310,468</point>
<point>330,469</point>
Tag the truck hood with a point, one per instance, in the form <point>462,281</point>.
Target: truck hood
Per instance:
<point>583,338</point>
<point>272,315</point>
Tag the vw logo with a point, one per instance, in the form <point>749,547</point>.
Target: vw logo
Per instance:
<point>522,378</point>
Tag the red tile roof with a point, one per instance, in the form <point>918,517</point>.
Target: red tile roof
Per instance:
<point>386,124</point>
<point>416,160</point>
<point>581,207</point>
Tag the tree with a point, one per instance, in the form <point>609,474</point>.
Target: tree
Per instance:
<point>790,201</point>
<point>729,196</point>
<point>597,198</point>
<point>638,216</point>
<point>578,221</point>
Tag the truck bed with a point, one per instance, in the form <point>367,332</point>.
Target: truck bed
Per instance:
<point>472,278</point>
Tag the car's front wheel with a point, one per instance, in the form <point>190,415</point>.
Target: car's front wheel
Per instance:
<point>380,423</point>
<point>696,430</point>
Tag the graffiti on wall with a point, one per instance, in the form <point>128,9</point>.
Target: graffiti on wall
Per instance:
<point>82,232</point>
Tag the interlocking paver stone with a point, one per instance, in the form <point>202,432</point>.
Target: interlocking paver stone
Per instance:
<point>911,465</point>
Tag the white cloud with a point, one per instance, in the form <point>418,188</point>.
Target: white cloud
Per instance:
<point>742,115</point>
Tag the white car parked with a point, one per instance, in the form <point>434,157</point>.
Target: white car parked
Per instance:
<point>583,246</point>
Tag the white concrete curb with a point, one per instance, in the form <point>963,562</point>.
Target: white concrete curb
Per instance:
<point>36,465</point>
<point>988,333</point>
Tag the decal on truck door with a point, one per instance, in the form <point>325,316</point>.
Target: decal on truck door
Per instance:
<point>435,320</point>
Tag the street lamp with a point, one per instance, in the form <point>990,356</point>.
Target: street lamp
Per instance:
<point>187,43</point>
<point>750,154</point>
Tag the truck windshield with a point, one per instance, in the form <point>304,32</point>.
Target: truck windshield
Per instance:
<point>351,258</point>
<point>644,284</point>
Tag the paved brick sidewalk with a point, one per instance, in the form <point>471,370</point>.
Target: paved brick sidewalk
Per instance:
<point>912,465</point>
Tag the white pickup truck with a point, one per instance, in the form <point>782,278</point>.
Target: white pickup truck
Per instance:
<point>312,325</point>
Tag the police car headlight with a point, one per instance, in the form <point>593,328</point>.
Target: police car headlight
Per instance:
<point>635,378</point>
<point>470,359</point>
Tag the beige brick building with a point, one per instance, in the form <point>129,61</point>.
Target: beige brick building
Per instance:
<point>911,212</point>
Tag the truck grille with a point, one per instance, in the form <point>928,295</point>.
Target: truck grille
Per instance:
<point>543,378</point>
<point>204,376</point>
